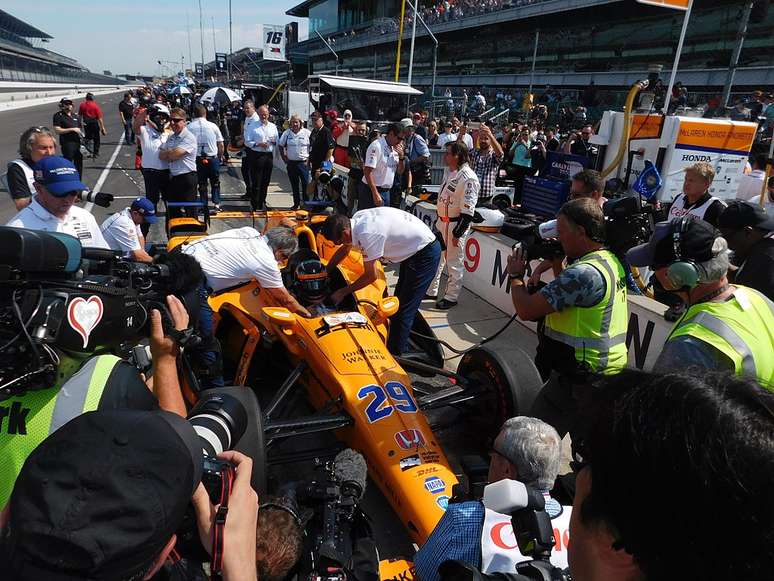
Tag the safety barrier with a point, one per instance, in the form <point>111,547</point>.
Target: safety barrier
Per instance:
<point>17,95</point>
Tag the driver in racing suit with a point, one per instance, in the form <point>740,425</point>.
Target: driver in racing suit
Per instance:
<point>456,205</point>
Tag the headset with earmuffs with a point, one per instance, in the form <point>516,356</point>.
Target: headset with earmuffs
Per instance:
<point>683,273</point>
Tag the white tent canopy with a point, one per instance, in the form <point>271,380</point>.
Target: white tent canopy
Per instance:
<point>368,85</point>
<point>220,94</point>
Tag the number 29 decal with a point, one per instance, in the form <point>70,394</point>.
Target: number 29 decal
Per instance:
<point>379,407</point>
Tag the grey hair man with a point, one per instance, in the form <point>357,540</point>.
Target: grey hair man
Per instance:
<point>34,144</point>
<point>726,327</point>
<point>526,449</point>
<point>241,255</point>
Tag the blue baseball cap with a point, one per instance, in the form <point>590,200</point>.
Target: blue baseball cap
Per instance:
<point>58,175</point>
<point>145,207</point>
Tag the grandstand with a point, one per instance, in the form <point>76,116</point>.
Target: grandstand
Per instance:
<point>23,59</point>
<point>489,43</point>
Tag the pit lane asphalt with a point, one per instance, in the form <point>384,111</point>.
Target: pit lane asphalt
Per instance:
<point>471,321</point>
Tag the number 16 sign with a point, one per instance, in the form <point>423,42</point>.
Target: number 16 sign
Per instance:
<point>274,42</point>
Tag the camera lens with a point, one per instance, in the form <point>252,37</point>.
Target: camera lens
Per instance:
<point>220,421</point>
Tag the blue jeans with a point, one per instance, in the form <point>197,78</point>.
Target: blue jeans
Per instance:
<point>416,274</point>
<point>208,170</point>
<point>207,352</point>
<point>365,198</point>
<point>298,174</point>
<point>128,132</point>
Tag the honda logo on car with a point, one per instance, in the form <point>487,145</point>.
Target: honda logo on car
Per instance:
<point>434,485</point>
<point>410,439</point>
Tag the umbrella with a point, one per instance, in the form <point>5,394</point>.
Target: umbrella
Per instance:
<point>180,90</point>
<point>220,95</point>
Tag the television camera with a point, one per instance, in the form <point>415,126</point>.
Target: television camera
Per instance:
<point>81,301</point>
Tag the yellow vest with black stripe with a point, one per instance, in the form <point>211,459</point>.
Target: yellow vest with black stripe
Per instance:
<point>27,420</point>
<point>597,333</point>
<point>742,328</point>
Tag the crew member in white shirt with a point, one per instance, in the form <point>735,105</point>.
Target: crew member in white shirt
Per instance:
<point>391,235</point>
<point>384,157</point>
<point>122,230</point>
<point>751,184</point>
<point>260,138</point>
<point>57,187</point>
<point>696,201</point>
<point>180,151</point>
<point>209,153</point>
<point>151,126</point>
<point>294,148</point>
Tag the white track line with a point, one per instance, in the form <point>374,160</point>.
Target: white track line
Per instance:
<point>103,176</point>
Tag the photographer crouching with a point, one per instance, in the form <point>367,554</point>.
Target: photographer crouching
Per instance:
<point>585,312</point>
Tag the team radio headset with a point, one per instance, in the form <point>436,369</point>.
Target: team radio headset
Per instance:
<point>682,273</point>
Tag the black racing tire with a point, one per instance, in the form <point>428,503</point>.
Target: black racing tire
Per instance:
<point>501,202</point>
<point>508,381</point>
<point>430,347</point>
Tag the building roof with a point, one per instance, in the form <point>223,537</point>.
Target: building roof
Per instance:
<point>302,10</point>
<point>19,27</point>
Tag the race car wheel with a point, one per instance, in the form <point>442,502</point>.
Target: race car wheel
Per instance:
<point>507,382</point>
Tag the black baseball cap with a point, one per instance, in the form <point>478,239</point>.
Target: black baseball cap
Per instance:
<point>64,102</point>
<point>739,214</point>
<point>101,496</point>
<point>696,242</point>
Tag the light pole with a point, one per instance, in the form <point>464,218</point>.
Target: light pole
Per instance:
<point>230,41</point>
<point>417,16</point>
<point>201,36</point>
<point>330,49</point>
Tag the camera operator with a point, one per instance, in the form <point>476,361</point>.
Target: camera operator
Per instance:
<point>123,233</point>
<point>152,128</point>
<point>34,144</point>
<point>696,201</point>
<point>279,538</point>
<point>709,436</point>
<point>585,312</point>
<point>725,327</point>
<point>526,449</point>
<point>749,230</point>
<point>58,186</point>
<point>85,383</point>
<point>456,205</point>
<point>586,183</point>
<point>105,496</point>
<point>578,144</point>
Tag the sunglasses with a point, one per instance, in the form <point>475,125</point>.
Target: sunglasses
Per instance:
<point>176,120</point>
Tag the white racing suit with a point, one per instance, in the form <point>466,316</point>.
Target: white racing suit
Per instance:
<point>456,205</point>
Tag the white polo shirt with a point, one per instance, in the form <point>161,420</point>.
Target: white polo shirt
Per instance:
<point>389,234</point>
<point>121,233</point>
<point>236,256</point>
<point>445,138</point>
<point>296,144</point>
<point>468,141</point>
<point>187,142</point>
<point>256,132</point>
<point>207,135</point>
<point>78,222</point>
<point>150,143</point>
<point>383,159</point>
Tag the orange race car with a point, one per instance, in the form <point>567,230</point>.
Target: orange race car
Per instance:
<point>356,387</point>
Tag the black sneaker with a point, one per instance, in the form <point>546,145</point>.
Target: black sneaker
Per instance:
<point>430,297</point>
<point>445,304</point>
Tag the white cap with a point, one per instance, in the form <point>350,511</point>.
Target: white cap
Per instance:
<point>406,122</point>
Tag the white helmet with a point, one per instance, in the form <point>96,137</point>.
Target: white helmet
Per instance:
<point>160,108</point>
<point>488,220</point>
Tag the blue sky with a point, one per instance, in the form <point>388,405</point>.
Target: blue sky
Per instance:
<point>129,37</point>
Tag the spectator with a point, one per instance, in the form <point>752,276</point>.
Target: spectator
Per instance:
<point>739,112</point>
<point>537,154</point>
<point>527,450</point>
<point>152,128</point>
<point>749,230</point>
<point>768,112</point>
<point>432,134</point>
<point>358,145</point>
<point>709,434</point>
<point>249,117</point>
<point>578,144</point>
<point>179,150</point>
<point>209,153</point>
<point>126,113</point>
<point>419,125</point>
<point>57,187</point>
<point>726,327</point>
<point>322,143</point>
<point>122,230</point>
<point>486,163</point>
<point>341,131</point>
<point>464,137</point>
<point>418,155</point>
<point>384,159</point>
<point>92,123</point>
<point>68,127</point>
<point>552,143</point>
<point>34,144</point>
<point>588,184</point>
<point>447,136</point>
<point>294,149</point>
<point>520,164</point>
<point>260,139</point>
<point>751,184</point>
<point>391,235</point>
<point>696,201</point>
<point>85,508</point>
